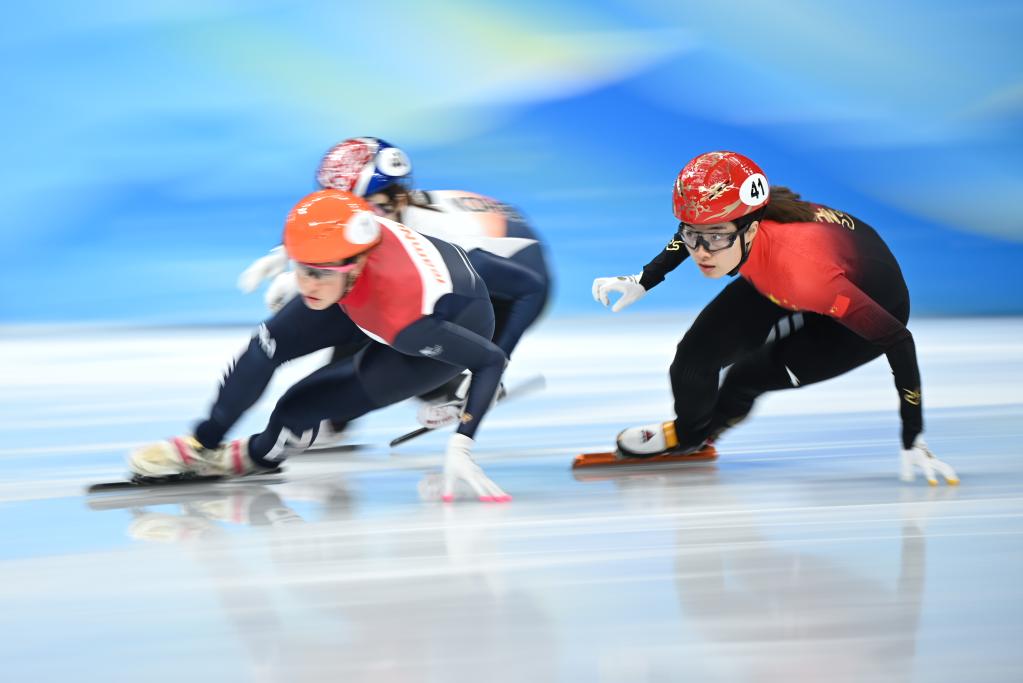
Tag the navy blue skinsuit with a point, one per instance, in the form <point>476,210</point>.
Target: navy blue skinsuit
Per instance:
<point>423,314</point>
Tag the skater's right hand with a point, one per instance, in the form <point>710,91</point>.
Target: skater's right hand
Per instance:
<point>920,456</point>
<point>626,285</point>
<point>263,268</point>
<point>459,465</point>
<point>283,289</point>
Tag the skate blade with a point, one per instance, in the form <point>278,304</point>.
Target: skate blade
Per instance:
<point>612,459</point>
<point>333,448</point>
<point>139,482</point>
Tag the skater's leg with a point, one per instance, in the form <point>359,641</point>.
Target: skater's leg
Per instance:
<point>375,377</point>
<point>345,351</point>
<point>336,426</point>
<point>511,319</point>
<point>534,258</point>
<point>735,323</point>
<point>464,342</point>
<point>744,382</point>
<point>342,391</point>
<point>521,291</point>
<point>820,350</point>
<point>331,392</point>
<point>294,331</point>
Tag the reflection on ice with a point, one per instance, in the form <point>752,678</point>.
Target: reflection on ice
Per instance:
<point>797,555</point>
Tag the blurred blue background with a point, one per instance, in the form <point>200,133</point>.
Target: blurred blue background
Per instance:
<point>151,150</point>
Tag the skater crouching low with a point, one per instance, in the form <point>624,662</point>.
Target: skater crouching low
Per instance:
<point>792,257</point>
<point>426,315</point>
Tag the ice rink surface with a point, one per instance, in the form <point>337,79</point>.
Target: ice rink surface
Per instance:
<point>797,556</point>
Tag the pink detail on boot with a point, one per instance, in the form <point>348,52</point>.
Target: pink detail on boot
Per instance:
<point>182,449</point>
<point>236,456</point>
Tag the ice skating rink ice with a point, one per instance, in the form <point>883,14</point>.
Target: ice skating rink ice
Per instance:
<point>797,556</point>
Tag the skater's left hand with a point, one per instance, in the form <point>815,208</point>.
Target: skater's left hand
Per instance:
<point>920,456</point>
<point>459,465</point>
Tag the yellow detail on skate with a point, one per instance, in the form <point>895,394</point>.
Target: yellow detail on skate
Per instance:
<point>670,437</point>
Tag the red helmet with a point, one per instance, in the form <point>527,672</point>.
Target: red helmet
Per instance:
<point>718,187</point>
<point>329,226</point>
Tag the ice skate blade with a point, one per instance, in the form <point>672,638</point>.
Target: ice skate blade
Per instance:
<point>612,459</point>
<point>334,448</point>
<point>138,482</point>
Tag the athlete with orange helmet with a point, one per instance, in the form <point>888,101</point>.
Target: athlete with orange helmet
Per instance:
<point>818,284</point>
<point>419,312</point>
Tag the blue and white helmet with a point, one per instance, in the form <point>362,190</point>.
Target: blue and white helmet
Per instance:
<point>364,166</point>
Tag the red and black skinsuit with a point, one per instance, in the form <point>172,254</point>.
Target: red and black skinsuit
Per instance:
<point>841,275</point>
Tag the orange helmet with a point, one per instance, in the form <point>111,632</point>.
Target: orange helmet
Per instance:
<point>330,226</point>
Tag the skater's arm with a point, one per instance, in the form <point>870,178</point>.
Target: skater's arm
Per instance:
<point>673,254</point>
<point>632,288</point>
<point>861,314</point>
<point>902,359</point>
<point>849,305</point>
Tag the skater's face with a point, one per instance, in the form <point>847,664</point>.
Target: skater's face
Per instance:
<point>388,205</point>
<point>322,288</point>
<point>716,248</point>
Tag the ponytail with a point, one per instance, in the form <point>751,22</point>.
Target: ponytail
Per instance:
<point>785,206</point>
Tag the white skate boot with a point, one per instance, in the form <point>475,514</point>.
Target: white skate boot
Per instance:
<point>653,443</point>
<point>184,456</point>
<point>648,440</point>
<point>446,409</point>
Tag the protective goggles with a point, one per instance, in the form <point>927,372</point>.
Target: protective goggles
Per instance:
<point>711,241</point>
<point>319,271</point>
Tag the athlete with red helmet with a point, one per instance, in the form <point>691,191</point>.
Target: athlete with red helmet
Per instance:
<point>792,256</point>
<point>419,312</point>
